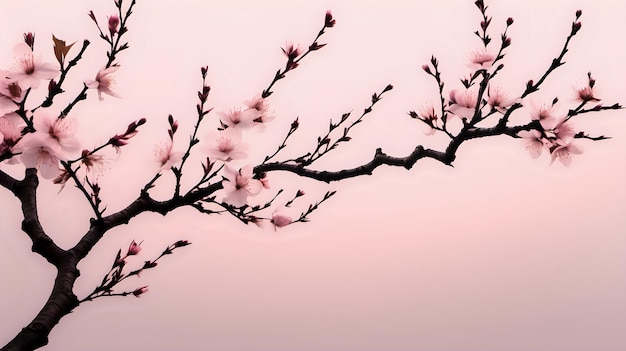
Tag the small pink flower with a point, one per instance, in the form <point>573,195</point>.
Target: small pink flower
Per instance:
<point>499,99</point>
<point>564,132</point>
<point>10,94</point>
<point>532,141</point>
<point>40,155</point>
<point>59,131</point>
<point>564,153</point>
<point>28,70</point>
<point>481,59</point>
<point>428,115</point>
<point>165,156</point>
<point>258,103</point>
<point>280,220</point>
<point>226,145</point>
<point>239,185</point>
<point>10,132</point>
<point>133,248</point>
<point>261,107</point>
<point>236,118</point>
<point>585,94</point>
<point>463,102</point>
<point>95,163</point>
<point>137,292</point>
<point>544,114</point>
<point>104,82</point>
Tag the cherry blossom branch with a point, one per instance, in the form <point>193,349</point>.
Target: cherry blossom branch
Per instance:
<point>323,143</point>
<point>444,112</point>
<point>556,62</point>
<point>294,57</point>
<point>91,199</point>
<point>113,24</point>
<point>116,274</point>
<point>56,88</point>
<point>303,216</point>
<point>292,128</point>
<point>193,140</point>
<point>484,24</point>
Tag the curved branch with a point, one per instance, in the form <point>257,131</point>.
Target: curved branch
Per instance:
<point>379,159</point>
<point>26,191</point>
<point>7,181</point>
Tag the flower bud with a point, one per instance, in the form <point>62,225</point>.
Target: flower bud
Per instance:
<point>52,86</point>
<point>133,249</point>
<point>295,124</point>
<point>509,21</point>
<point>29,39</point>
<point>578,14</point>
<point>140,291</point>
<point>149,264</point>
<point>181,243</point>
<point>15,91</point>
<point>328,20</point>
<point>114,22</point>
<point>93,17</point>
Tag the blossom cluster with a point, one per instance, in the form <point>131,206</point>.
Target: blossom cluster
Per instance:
<point>42,137</point>
<point>480,98</point>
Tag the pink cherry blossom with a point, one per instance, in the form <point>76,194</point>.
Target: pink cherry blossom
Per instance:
<point>239,185</point>
<point>585,94</point>
<point>104,82</point>
<point>260,105</point>
<point>545,114</point>
<point>165,156</point>
<point>532,141</point>
<point>95,163</point>
<point>499,99</point>
<point>10,94</point>
<point>10,132</point>
<point>58,131</point>
<point>236,118</point>
<point>481,59</point>
<point>463,102</point>
<point>39,154</point>
<point>564,153</point>
<point>564,131</point>
<point>226,145</point>
<point>28,70</point>
<point>428,114</point>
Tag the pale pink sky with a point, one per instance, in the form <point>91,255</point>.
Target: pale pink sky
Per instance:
<point>500,253</point>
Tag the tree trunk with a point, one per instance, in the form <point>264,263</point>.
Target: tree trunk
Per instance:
<point>61,302</point>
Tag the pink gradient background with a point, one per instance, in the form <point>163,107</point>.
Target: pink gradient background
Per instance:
<point>500,253</point>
